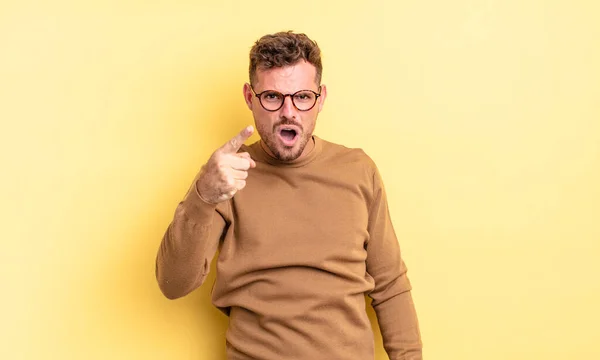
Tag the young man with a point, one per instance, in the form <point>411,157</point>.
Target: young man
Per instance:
<point>302,225</point>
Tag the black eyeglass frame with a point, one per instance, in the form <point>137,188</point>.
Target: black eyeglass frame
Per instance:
<point>317,95</point>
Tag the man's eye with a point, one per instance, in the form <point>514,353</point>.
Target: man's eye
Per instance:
<point>304,96</point>
<point>272,96</point>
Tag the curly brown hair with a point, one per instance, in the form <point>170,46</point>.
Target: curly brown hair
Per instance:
<point>284,49</point>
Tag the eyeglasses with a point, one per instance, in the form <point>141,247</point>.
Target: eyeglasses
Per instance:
<point>272,100</point>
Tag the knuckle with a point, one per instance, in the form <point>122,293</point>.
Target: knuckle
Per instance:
<point>215,161</point>
<point>216,155</point>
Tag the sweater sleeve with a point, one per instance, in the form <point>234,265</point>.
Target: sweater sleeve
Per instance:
<point>189,244</point>
<point>391,296</point>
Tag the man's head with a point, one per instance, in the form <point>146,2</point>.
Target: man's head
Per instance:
<point>284,49</point>
<point>280,64</point>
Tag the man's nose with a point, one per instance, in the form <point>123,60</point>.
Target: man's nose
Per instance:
<point>288,109</point>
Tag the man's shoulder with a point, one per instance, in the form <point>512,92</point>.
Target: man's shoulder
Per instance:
<point>348,155</point>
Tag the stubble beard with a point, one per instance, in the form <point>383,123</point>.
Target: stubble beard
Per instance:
<point>281,152</point>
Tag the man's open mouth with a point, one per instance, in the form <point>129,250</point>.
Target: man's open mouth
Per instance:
<point>288,135</point>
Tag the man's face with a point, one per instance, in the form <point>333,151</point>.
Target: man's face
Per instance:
<point>287,131</point>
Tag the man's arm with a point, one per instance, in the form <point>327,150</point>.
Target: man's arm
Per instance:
<point>193,237</point>
<point>188,246</point>
<point>392,298</point>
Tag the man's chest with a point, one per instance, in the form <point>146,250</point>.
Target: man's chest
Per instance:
<point>309,217</point>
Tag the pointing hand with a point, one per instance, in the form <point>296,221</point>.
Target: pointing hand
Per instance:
<point>226,171</point>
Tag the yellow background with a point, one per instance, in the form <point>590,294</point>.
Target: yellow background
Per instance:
<point>483,116</point>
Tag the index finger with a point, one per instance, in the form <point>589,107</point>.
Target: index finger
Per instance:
<point>233,145</point>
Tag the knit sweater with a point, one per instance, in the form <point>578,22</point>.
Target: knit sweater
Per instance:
<point>299,247</point>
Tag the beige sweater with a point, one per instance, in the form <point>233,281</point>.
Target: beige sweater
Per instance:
<point>300,246</point>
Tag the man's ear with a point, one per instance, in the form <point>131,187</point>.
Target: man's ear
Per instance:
<point>322,97</point>
<point>248,95</point>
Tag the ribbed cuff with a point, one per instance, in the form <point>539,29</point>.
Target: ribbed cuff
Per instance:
<point>196,207</point>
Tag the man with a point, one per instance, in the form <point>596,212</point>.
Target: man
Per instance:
<point>302,225</point>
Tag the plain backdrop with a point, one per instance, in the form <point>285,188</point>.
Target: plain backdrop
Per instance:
<point>483,117</point>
